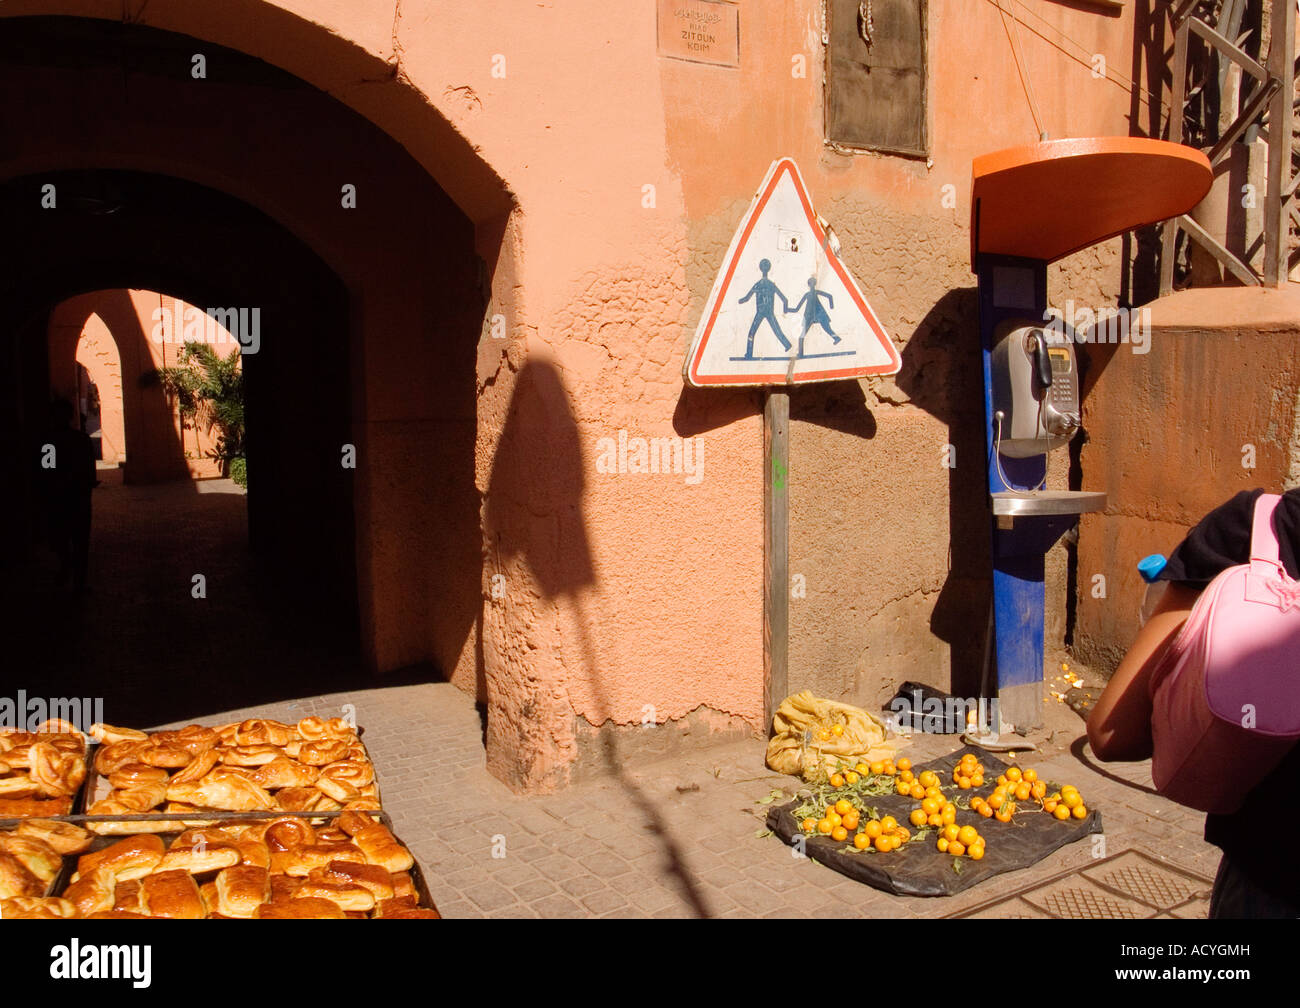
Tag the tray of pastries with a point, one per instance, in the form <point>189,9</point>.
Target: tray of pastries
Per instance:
<point>35,855</point>
<point>42,771</point>
<point>257,765</point>
<point>294,867</point>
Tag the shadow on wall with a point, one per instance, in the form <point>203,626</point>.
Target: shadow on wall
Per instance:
<point>942,374</point>
<point>535,516</point>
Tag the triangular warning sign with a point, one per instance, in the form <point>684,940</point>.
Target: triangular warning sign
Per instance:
<point>784,309</point>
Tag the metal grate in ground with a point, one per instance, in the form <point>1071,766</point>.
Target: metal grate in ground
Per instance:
<point>1130,885</point>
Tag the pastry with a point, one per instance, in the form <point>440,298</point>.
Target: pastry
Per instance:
<point>343,894</point>
<point>222,790</point>
<point>298,799</point>
<point>283,772</point>
<point>301,861</point>
<point>249,755</point>
<point>199,858</point>
<point>368,876</point>
<point>131,775</point>
<point>117,754</point>
<point>18,788</point>
<point>171,894</point>
<point>37,908</point>
<point>38,808</point>
<point>140,799</point>
<point>16,880</point>
<point>57,726</point>
<point>106,734</point>
<point>285,834</point>
<point>198,767</point>
<point>313,729</point>
<point>196,740</point>
<point>323,752</point>
<point>299,909</point>
<point>403,885</point>
<point>241,890</point>
<point>413,913</point>
<point>126,897</point>
<point>128,859</point>
<point>37,856</point>
<point>170,757</point>
<point>56,773</point>
<point>284,887</point>
<point>262,731</point>
<point>63,837</point>
<point>116,915</point>
<point>91,893</point>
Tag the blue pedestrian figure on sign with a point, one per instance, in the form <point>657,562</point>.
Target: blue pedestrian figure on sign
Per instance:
<point>814,313</point>
<point>765,292</point>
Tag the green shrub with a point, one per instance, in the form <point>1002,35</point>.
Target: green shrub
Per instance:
<point>239,471</point>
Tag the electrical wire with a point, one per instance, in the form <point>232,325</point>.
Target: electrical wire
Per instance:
<point>1021,68</point>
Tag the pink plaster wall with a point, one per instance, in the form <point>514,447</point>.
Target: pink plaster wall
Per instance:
<point>627,592</point>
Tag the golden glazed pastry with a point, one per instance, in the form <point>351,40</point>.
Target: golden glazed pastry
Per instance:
<point>143,798</point>
<point>37,808</point>
<point>62,837</point>
<point>288,833</point>
<point>127,859</point>
<point>56,773</point>
<point>323,752</point>
<point>283,772</point>
<point>169,757</point>
<point>106,734</point>
<point>118,754</point>
<point>376,841</point>
<point>413,913</point>
<point>263,731</point>
<point>253,853</point>
<point>57,726</point>
<point>116,915</point>
<point>344,895</point>
<point>37,856</point>
<point>111,828</point>
<point>171,894</point>
<point>313,729</point>
<point>37,908</point>
<point>283,887</point>
<point>16,880</point>
<point>300,909</point>
<point>19,757</point>
<point>196,739</point>
<point>368,876</point>
<point>18,788</point>
<point>298,799</point>
<point>132,775</point>
<point>198,859</point>
<point>126,897</point>
<point>301,861</point>
<point>344,780</point>
<point>249,755</point>
<point>222,790</point>
<point>91,893</point>
<point>403,884</point>
<point>241,890</point>
<point>199,767</point>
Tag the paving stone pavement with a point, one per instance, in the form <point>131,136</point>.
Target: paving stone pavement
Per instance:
<point>679,837</point>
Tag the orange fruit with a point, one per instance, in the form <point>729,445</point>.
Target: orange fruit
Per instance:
<point>986,810</point>
<point>904,789</point>
<point>861,841</point>
<point>1080,811</point>
<point>823,736</point>
<point>888,824</point>
<point>903,764</point>
<point>1004,813</point>
<point>977,780</point>
<point>917,791</point>
<point>890,769</point>
<point>902,835</point>
<point>837,780</point>
<point>967,835</point>
<point>872,828</point>
<point>929,779</point>
<point>918,817</point>
<point>1002,778</point>
<point>1030,775</point>
<point>843,806</point>
<point>948,815</point>
<point>1038,789</point>
<point>975,851</point>
<point>862,768</point>
<point>1062,812</point>
<point>837,730</point>
<point>934,820</point>
<point>956,848</point>
<point>851,821</point>
<point>877,767</point>
<point>839,834</point>
<point>825,826</point>
<point>850,777</point>
<point>942,844</point>
<point>1072,800</point>
<point>1013,773</point>
<point>808,825</point>
<point>906,776</point>
<point>951,832</point>
<point>1022,791</point>
<point>884,844</point>
<point>835,819</point>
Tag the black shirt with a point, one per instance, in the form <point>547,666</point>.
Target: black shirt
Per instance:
<point>1251,835</point>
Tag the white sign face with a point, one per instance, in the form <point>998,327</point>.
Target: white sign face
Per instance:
<point>784,309</point>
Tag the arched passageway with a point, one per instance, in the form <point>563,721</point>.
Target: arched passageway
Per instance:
<point>252,190</point>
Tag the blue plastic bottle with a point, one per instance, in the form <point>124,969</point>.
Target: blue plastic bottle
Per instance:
<point>1149,567</point>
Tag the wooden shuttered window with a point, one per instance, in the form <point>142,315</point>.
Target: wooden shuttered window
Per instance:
<point>876,94</point>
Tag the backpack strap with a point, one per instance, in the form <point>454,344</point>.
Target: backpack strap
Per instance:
<point>1263,540</point>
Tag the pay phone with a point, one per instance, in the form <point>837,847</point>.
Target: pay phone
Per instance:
<point>1035,379</point>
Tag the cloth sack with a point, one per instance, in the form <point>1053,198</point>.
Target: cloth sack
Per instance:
<point>806,744</point>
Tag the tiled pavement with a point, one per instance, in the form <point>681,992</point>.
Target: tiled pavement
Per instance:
<point>679,837</point>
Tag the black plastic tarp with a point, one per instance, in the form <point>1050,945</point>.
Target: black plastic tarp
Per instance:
<point>918,868</point>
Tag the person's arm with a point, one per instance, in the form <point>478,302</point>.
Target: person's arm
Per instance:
<point>1119,727</point>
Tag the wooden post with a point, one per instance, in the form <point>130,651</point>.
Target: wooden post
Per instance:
<point>776,549</point>
<point>1281,52</point>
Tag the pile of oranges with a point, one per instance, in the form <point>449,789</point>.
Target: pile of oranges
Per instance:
<point>969,773</point>
<point>843,820</point>
<point>1066,803</point>
<point>877,768</point>
<point>961,840</point>
<point>1023,785</point>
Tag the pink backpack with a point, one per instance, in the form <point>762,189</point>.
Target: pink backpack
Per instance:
<point>1226,694</point>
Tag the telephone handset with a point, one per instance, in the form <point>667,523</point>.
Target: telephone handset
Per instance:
<point>1035,388</point>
